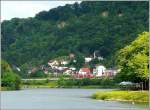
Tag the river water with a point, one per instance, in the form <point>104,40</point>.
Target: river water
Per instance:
<point>60,99</point>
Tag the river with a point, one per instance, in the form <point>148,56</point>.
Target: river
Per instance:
<point>60,99</point>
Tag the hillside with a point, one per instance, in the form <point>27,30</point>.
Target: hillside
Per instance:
<point>79,28</point>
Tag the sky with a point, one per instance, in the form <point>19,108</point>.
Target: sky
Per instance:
<point>24,9</point>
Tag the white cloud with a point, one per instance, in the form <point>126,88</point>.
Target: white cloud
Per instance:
<point>24,9</point>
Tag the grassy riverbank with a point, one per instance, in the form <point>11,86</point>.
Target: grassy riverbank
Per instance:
<point>70,83</point>
<point>7,88</point>
<point>133,96</point>
<point>55,85</point>
<point>39,84</point>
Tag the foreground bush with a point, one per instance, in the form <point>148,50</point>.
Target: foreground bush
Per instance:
<point>86,82</point>
<point>9,78</point>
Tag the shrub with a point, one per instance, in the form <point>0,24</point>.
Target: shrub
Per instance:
<point>85,82</point>
<point>39,74</point>
<point>11,80</point>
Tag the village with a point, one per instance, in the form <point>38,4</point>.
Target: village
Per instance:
<point>57,67</point>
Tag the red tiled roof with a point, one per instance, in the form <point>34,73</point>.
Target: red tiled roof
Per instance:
<point>85,70</point>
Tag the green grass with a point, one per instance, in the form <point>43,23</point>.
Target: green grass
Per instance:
<point>135,96</point>
<point>40,84</point>
<point>99,87</point>
<point>65,84</point>
<point>6,88</point>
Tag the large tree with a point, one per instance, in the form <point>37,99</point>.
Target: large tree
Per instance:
<point>133,60</point>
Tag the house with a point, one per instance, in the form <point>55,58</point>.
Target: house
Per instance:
<point>45,71</point>
<point>71,56</point>
<point>84,71</point>
<point>99,70</point>
<point>87,59</point>
<point>70,71</point>
<point>64,62</point>
<point>72,68</point>
<point>111,72</point>
<point>32,70</point>
<point>100,58</point>
<point>53,63</point>
<point>67,72</point>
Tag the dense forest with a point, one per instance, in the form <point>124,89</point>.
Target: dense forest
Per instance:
<point>82,28</point>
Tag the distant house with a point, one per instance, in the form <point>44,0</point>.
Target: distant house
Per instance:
<point>88,59</point>
<point>71,56</point>
<point>99,70</point>
<point>111,72</point>
<point>32,70</point>
<point>84,71</point>
<point>72,68</point>
<point>61,68</point>
<point>64,62</point>
<point>45,71</point>
<point>68,72</point>
<point>53,63</point>
<point>100,58</point>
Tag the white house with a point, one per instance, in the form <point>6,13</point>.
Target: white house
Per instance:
<point>100,70</point>
<point>87,59</point>
<point>64,62</point>
<point>68,72</point>
<point>72,68</point>
<point>100,58</point>
<point>53,63</point>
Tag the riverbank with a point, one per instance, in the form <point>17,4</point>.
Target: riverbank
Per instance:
<point>56,86</point>
<point>6,88</point>
<point>70,83</point>
<point>126,96</point>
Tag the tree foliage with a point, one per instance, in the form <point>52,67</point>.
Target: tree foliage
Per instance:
<point>9,78</point>
<point>133,60</point>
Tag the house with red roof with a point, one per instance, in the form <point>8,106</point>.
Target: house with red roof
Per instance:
<point>85,73</point>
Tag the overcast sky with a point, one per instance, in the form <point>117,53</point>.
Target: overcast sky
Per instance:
<point>24,9</point>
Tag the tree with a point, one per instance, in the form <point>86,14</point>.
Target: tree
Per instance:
<point>9,78</point>
<point>78,61</point>
<point>93,62</point>
<point>38,74</point>
<point>133,60</point>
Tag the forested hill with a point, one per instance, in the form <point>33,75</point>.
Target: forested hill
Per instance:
<point>78,28</point>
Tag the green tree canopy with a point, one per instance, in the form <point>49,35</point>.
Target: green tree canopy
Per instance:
<point>9,78</point>
<point>133,60</point>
